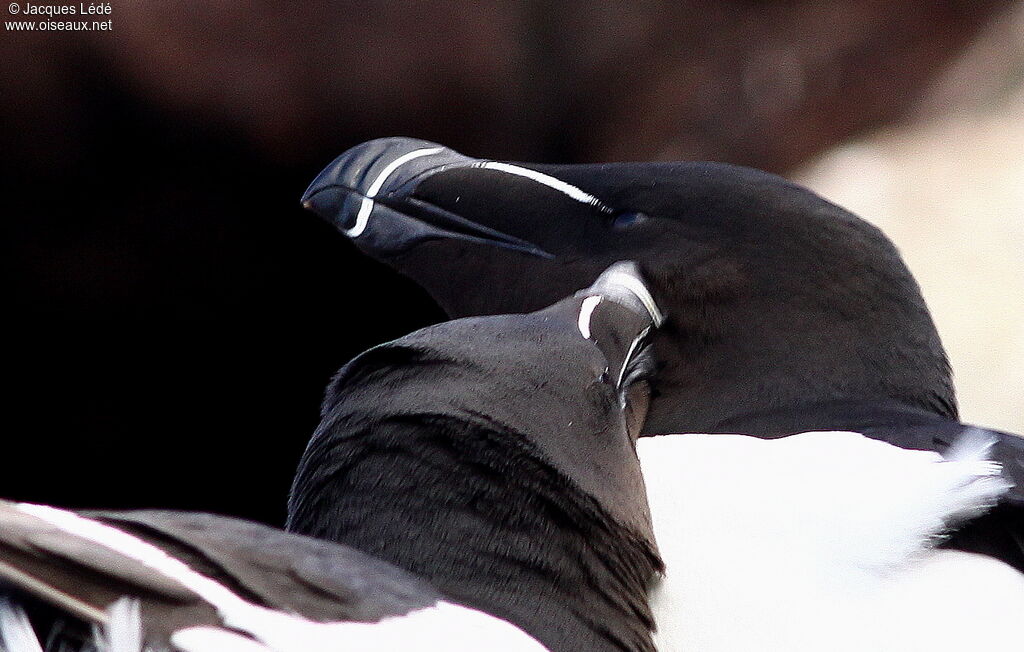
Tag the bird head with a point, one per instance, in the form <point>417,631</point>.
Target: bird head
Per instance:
<point>773,296</point>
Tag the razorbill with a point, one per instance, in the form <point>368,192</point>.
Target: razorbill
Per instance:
<point>784,314</point>
<point>481,475</point>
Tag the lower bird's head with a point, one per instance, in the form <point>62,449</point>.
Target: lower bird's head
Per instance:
<point>773,296</point>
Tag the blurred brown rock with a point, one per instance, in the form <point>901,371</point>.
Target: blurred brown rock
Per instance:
<point>764,84</point>
<point>948,187</point>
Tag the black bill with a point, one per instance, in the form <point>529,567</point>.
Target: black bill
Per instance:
<point>367,193</point>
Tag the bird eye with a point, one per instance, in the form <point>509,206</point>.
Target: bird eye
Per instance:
<point>627,220</point>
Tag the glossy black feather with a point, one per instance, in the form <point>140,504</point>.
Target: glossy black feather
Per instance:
<point>786,313</point>
<point>506,436</point>
<point>488,462</point>
<point>266,566</point>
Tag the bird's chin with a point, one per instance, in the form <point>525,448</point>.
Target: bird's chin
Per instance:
<point>455,283</point>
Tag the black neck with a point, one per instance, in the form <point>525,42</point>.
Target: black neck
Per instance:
<point>729,374</point>
<point>477,512</point>
<point>862,415</point>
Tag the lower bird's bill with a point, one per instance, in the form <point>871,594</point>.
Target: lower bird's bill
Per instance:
<point>364,193</point>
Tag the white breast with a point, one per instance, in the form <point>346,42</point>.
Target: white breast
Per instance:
<point>822,541</point>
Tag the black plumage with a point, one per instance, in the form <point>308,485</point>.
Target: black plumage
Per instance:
<point>487,462</point>
<point>72,580</point>
<point>507,435</point>
<point>785,312</point>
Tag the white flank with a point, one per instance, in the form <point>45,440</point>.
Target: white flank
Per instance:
<point>440,627</point>
<point>16,634</point>
<point>973,444</point>
<point>444,627</point>
<point>586,312</point>
<point>545,179</point>
<point>123,631</point>
<point>213,639</point>
<point>366,207</point>
<point>822,541</point>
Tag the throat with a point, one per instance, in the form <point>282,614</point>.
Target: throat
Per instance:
<point>783,378</point>
<point>857,415</point>
<point>485,520</point>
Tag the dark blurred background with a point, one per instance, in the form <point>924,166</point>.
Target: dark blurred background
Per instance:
<point>172,315</point>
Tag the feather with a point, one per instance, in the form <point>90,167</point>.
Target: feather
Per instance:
<point>16,633</point>
<point>123,631</point>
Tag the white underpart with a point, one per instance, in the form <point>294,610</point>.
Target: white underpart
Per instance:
<point>545,179</point>
<point>586,312</point>
<point>366,207</point>
<point>202,639</point>
<point>822,541</point>
<point>442,626</point>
